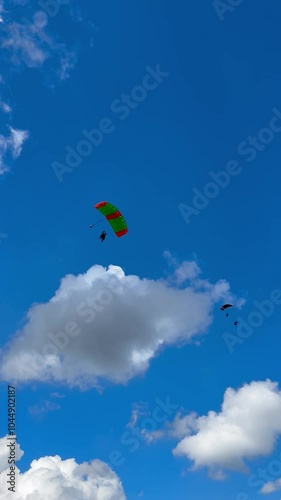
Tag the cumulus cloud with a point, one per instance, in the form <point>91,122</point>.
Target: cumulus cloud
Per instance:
<point>271,487</point>
<point>5,453</point>
<point>247,426</point>
<point>11,144</point>
<point>104,325</point>
<point>50,478</point>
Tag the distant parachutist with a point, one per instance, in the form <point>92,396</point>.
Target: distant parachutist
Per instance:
<point>226,306</point>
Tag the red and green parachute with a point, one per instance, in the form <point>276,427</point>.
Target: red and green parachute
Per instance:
<point>114,217</point>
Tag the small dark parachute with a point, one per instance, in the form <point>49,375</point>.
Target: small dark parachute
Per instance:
<point>226,306</point>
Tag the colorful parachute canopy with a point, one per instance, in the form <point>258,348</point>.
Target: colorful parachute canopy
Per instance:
<point>225,306</point>
<point>114,217</point>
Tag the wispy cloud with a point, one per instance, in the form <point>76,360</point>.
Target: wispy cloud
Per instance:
<point>43,408</point>
<point>67,63</point>
<point>271,486</point>
<point>17,139</point>
<point>27,43</point>
<point>180,427</point>
<point>12,145</point>
<point>57,395</point>
<point>5,107</point>
<point>139,410</point>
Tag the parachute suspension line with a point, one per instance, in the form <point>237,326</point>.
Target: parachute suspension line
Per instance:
<point>102,220</point>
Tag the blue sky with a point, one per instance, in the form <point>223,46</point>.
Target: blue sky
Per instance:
<point>163,336</point>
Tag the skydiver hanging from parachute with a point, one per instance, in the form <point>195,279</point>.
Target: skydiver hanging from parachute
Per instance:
<point>226,306</point>
<point>114,217</point>
<point>102,236</point>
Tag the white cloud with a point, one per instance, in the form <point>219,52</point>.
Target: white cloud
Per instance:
<point>12,144</point>
<point>247,426</point>
<point>139,410</point>
<point>57,395</point>
<point>5,454</point>
<point>190,271</point>
<point>180,427</point>
<point>67,63</point>
<point>115,341</point>
<point>42,408</point>
<point>270,487</point>
<point>17,140</point>
<point>5,107</point>
<point>51,478</point>
<point>28,44</point>
<point>182,272</point>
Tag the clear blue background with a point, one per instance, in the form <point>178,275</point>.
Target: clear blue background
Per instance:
<point>225,78</point>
